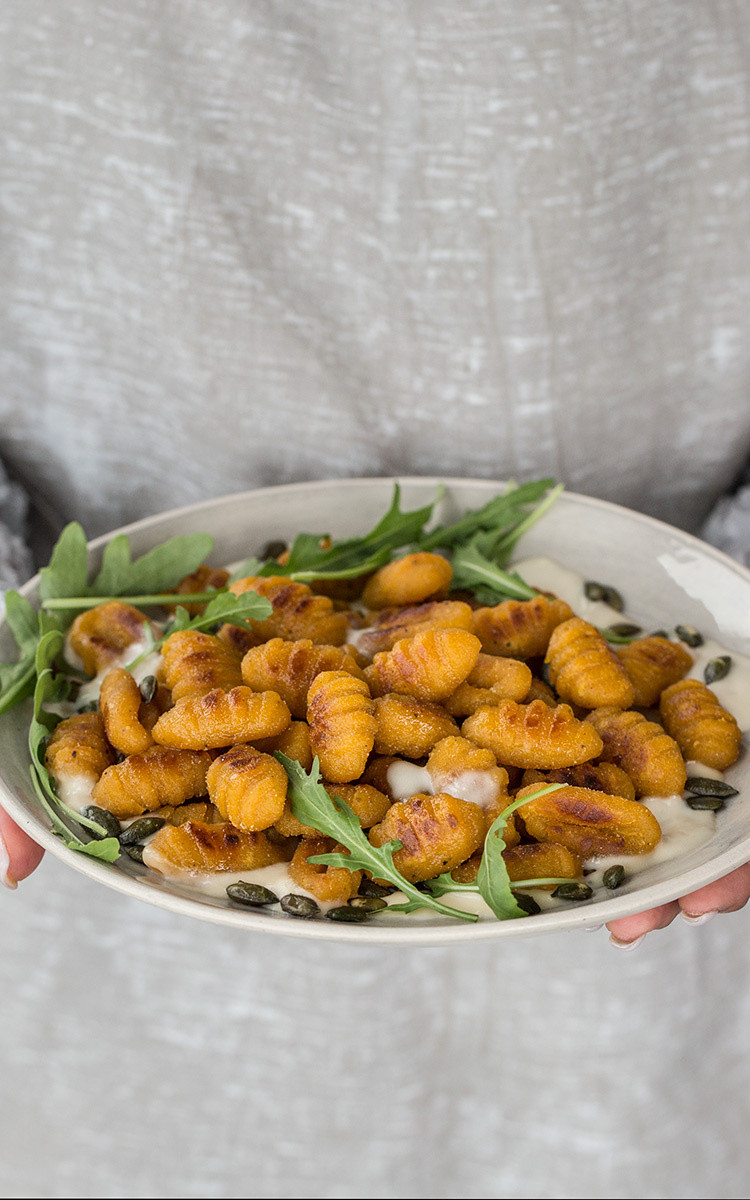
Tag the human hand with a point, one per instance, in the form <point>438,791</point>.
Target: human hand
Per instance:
<point>724,896</point>
<point>19,855</point>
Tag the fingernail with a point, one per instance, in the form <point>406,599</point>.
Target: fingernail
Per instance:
<point>5,876</point>
<point>619,945</point>
<point>700,920</point>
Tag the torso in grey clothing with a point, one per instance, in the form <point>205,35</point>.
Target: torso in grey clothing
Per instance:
<point>250,243</point>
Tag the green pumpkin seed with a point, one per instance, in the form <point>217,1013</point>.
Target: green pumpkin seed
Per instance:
<point>273,549</point>
<point>705,803</point>
<point>253,894</point>
<point>147,687</point>
<point>625,629</point>
<point>660,633</point>
<point>573,891</point>
<point>368,887</point>
<point>368,903</point>
<point>718,668</point>
<point>142,828</point>
<point>689,635</point>
<point>527,903</point>
<point>91,706</point>
<point>603,592</point>
<point>352,916</point>
<point>299,906</point>
<point>134,852</point>
<point>613,876</point>
<point>106,819</point>
<point>699,785</point>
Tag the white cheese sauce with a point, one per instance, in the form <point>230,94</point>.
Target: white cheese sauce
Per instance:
<point>75,790</point>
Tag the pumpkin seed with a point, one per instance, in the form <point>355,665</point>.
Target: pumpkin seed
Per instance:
<point>699,785</point>
<point>273,549</point>
<point>603,592</point>
<point>368,903</point>
<point>105,818</point>
<point>299,906</point>
<point>368,887</point>
<point>134,852</point>
<point>689,635</point>
<point>253,894</point>
<point>545,675</point>
<point>147,688</point>
<point>660,633</point>
<point>573,891</point>
<point>705,803</point>
<point>91,706</point>
<point>527,903</point>
<point>717,669</point>
<point>354,916</point>
<point>613,876</point>
<point>625,629</point>
<point>142,828</point>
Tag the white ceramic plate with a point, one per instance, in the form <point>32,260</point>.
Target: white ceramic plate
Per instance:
<point>666,577</point>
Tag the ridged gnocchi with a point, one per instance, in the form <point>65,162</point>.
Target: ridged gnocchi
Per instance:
<point>343,725</point>
<point>248,788</point>
<point>221,719</point>
<point>533,735</point>
<point>519,628</point>
<point>429,666</point>
<point>583,669</point>
<point>701,726</point>
<point>436,834</point>
<point>650,757</point>
<point>100,635</point>
<point>143,782</point>
<point>290,667</point>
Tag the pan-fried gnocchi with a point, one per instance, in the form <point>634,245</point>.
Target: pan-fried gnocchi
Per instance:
<point>428,713</point>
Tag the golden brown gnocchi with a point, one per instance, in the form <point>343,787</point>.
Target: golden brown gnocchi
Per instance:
<point>143,782</point>
<point>584,670</point>
<point>78,746</point>
<point>653,664</point>
<point>247,787</point>
<point>195,663</point>
<point>100,635</point>
<point>297,611</point>
<point>409,580</point>
<point>590,823</point>
<point>702,728</point>
<point>408,726</point>
<point>343,725</point>
<point>645,752</point>
<point>436,834</point>
<point>429,666</point>
<point>329,884</point>
<point>290,667</point>
<point>393,624</point>
<point>120,702</point>
<point>196,847</point>
<point>222,719</point>
<point>519,628</point>
<point>533,735</point>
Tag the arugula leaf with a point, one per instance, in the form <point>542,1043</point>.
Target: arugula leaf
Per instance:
<point>251,566</point>
<point>311,805</point>
<point>225,607</point>
<point>499,514</point>
<point>23,620</point>
<point>42,722</point>
<point>350,557</point>
<point>472,569</point>
<point>67,573</point>
<point>16,682</point>
<point>156,571</point>
<point>493,880</point>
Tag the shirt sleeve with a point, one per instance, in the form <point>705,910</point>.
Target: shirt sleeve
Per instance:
<point>16,563</point>
<point>728,525</point>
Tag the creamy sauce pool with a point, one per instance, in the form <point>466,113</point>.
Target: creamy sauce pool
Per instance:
<point>683,828</point>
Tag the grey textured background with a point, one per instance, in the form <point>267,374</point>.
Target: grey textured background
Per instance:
<point>249,242</point>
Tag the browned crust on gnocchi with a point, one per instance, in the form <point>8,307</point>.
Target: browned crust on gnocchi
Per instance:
<point>584,670</point>
<point>701,726</point>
